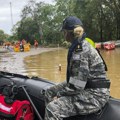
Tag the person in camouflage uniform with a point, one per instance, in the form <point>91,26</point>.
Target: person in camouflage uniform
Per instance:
<point>78,94</point>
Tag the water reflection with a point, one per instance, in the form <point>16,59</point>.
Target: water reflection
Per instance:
<point>46,65</point>
<point>112,59</point>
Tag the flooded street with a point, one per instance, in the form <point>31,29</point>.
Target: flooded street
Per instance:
<point>46,65</point>
<point>112,59</point>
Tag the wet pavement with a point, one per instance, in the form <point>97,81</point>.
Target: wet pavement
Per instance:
<point>13,61</point>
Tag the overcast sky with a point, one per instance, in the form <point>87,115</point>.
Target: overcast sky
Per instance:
<point>5,12</point>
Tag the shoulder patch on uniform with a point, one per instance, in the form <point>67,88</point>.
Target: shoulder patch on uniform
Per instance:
<point>78,48</point>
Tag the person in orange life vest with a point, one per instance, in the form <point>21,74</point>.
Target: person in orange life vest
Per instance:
<point>35,43</point>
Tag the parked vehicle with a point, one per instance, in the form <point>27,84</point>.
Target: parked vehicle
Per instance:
<point>117,43</point>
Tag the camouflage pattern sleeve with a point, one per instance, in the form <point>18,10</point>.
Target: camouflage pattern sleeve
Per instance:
<point>85,65</point>
<point>79,68</point>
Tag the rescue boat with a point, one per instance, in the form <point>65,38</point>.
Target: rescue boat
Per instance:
<point>25,48</point>
<point>35,88</point>
<point>109,45</point>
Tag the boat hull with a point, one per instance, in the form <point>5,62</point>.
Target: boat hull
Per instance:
<point>36,88</point>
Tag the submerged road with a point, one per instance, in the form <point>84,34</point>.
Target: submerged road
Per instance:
<point>13,61</point>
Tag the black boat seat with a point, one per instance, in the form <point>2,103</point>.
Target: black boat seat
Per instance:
<point>36,86</point>
<point>111,111</point>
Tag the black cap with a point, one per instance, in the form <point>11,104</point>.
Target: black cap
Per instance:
<point>71,22</point>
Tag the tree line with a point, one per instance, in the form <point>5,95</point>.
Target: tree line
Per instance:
<point>43,21</point>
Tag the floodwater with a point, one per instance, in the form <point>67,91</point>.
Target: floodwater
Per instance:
<point>112,59</point>
<point>46,65</point>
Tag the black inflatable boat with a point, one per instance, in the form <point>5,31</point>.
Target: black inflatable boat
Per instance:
<point>36,87</point>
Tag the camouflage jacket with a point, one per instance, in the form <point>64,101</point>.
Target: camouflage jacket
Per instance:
<point>85,64</point>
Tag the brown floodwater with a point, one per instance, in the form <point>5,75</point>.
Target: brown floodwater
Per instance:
<point>46,65</point>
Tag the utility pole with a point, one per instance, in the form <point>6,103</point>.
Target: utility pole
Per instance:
<point>101,22</point>
<point>11,14</point>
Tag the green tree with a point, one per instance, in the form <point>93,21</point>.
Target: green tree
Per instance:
<point>42,21</point>
<point>27,30</point>
<point>114,7</point>
<point>2,35</point>
<point>99,18</point>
